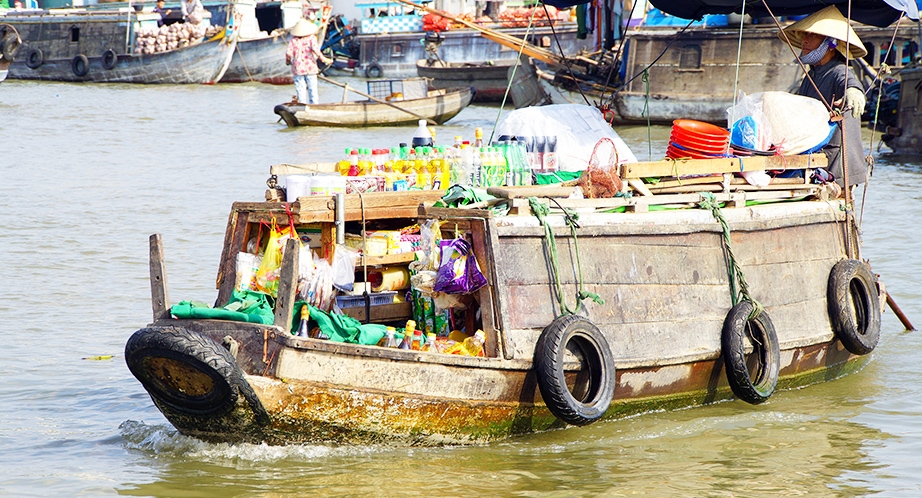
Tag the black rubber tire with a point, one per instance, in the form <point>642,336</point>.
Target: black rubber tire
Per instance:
<point>737,326</point>
<point>80,65</point>
<point>8,46</point>
<point>109,59</point>
<point>854,308</point>
<point>149,352</point>
<point>550,350</point>
<point>35,58</point>
<point>374,71</point>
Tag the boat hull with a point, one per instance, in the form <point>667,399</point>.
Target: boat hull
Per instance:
<point>440,106</point>
<point>260,60</point>
<point>663,280</point>
<point>488,79</point>
<point>906,137</point>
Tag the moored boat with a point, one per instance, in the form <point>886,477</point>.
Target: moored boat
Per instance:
<point>102,46</point>
<point>488,78</point>
<point>906,136</point>
<point>669,327</point>
<point>9,46</point>
<point>407,108</point>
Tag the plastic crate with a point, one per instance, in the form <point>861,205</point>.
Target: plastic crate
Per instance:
<point>376,298</point>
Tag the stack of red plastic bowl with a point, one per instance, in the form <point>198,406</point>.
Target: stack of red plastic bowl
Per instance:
<point>697,140</point>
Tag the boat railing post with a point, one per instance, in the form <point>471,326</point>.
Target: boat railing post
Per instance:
<point>345,92</point>
<point>288,285</point>
<point>159,294</point>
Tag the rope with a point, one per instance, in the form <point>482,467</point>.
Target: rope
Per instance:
<point>515,66</point>
<point>739,50</point>
<point>646,112</point>
<point>541,211</point>
<point>739,288</point>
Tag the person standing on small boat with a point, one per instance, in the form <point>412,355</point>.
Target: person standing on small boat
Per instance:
<point>192,10</point>
<point>302,54</point>
<point>827,42</point>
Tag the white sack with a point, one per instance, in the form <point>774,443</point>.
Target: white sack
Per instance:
<point>797,123</point>
<point>578,128</point>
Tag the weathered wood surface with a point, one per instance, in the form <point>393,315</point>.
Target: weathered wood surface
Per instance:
<point>381,313</point>
<point>234,239</point>
<point>680,167</point>
<point>159,289</point>
<point>302,169</point>
<point>288,285</point>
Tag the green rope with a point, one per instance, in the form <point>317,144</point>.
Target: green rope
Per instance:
<point>541,211</point>
<point>739,288</point>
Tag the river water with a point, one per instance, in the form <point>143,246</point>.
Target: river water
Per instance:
<point>88,172</point>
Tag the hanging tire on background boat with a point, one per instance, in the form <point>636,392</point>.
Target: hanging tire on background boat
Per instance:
<point>109,59</point>
<point>854,308</point>
<point>189,372</point>
<point>34,58</point>
<point>374,71</point>
<point>758,387</point>
<point>594,394</point>
<point>80,65</point>
<point>9,46</point>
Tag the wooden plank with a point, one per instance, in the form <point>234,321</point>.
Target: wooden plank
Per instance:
<point>159,293</point>
<point>640,187</point>
<point>234,242</point>
<point>491,296</point>
<point>288,285</point>
<point>681,182</point>
<point>381,313</point>
<point>682,167</point>
<point>530,191</point>
<point>302,169</point>
<point>387,259</point>
<point>449,213</point>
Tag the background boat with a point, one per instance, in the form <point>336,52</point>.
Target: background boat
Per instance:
<point>437,106</point>
<point>102,46</point>
<point>488,78</point>
<point>9,47</point>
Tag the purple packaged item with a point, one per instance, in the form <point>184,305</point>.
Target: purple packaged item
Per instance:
<point>458,271</point>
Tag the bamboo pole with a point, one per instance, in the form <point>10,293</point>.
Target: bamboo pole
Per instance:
<point>899,313</point>
<point>380,101</point>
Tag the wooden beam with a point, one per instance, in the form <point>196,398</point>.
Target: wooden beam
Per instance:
<point>684,167</point>
<point>159,293</point>
<point>288,285</point>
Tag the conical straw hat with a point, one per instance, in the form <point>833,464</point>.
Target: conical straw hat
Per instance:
<point>827,22</point>
<point>304,28</point>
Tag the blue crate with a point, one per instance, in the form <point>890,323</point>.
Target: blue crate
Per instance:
<point>376,298</point>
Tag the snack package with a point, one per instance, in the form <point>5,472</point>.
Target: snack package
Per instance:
<point>458,271</point>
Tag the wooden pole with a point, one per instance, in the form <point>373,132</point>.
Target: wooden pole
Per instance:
<point>380,101</point>
<point>288,285</point>
<point>899,313</point>
<point>159,294</point>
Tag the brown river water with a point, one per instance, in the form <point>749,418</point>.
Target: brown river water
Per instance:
<point>88,172</point>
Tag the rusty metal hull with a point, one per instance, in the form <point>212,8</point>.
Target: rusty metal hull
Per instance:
<point>663,278</point>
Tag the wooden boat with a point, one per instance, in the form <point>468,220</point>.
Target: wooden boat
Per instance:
<point>437,105</point>
<point>906,136</point>
<point>9,47</point>
<point>665,332</point>
<point>489,79</point>
<point>99,46</point>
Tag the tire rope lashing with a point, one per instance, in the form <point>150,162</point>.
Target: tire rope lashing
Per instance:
<point>541,211</point>
<point>739,288</point>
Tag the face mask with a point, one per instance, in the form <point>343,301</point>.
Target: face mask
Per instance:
<point>817,54</point>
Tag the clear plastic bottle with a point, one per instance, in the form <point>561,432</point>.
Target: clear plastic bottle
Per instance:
<point>417,344</point>
<point>353,163</point>
<point>422,137</point>
<point>430,346</point>
<point>551,164</point>
<point>407,342</point>
<point>343,165</point>
<point>465,165</point>
<point>390,339</point>
<point>478,137</point>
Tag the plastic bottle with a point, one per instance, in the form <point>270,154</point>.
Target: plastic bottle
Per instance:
<point>551,164</point>
<point>445,170</point>
<point>465,175</point>
<point>472,346</point>
<point>422,137</point>
<point>353,163</point>
<point>417,344</point>
<point>478,137</point>
<point>390,340</point>
<point>407,342</point>
<point>343,165</point>
<point>502,168</point>
<point>303,328</point>
<point>477,167</point>
<point>430,344</point>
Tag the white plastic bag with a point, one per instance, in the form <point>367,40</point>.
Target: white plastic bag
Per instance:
<point>796,123</point>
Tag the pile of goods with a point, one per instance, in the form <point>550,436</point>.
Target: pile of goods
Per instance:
<point>171,37</point>
<point>467,16</point>
<point>435,23</point>
<point>519,17</point>
<point>697,140</point>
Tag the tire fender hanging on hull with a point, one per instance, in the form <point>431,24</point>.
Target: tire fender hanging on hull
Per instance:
<point>854,309</point>
<point>737,327</point>
<point>595,391</point>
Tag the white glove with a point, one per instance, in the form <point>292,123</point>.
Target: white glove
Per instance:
<point>854,98</point>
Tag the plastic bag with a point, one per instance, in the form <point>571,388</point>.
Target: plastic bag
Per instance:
<point>427,258</point>
<point>267,276</point>
<point>458,270</point>
<point>601,180</point>
<point>343,267</point>
<point>794,123</point>
<point>749,127</point>
<point>317,290</point>
<point>247,265</point>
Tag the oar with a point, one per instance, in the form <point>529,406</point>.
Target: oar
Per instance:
<point>380,101</point>
<point>899,313</point>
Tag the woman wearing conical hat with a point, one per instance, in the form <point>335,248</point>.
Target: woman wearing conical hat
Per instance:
<point>302,54</point>
<point>827,42</point>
